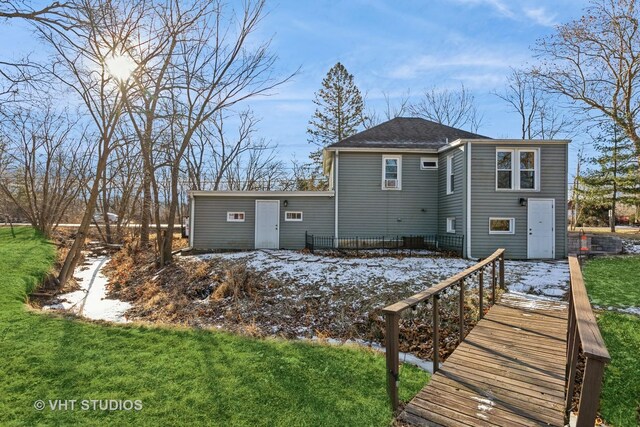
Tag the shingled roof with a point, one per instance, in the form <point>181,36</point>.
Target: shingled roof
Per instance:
<point>406,132</point>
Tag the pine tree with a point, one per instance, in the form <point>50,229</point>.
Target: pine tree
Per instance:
<point>339,113</point>
<point>615,178</point>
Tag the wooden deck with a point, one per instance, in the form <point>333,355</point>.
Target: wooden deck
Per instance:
<point>509,371</point>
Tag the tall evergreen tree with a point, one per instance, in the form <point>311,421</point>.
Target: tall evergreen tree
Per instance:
<point>616,176</point>
<point>339,113</point>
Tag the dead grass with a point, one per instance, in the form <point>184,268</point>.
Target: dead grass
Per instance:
<point>239,282</point>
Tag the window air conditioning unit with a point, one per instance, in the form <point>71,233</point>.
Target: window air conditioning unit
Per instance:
<point>391,183</point>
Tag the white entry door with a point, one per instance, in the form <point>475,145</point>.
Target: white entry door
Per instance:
<point>541,225</point>
<point>267,224</point>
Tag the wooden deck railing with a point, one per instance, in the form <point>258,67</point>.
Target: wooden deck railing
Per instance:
<point>583,332</point>
<point>392,314</point>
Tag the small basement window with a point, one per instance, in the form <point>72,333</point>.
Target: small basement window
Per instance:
<point>451,225</point>
<point>293,216</point>
<point>501,226</point>
<point>427,163</point>
<point>235,216</point>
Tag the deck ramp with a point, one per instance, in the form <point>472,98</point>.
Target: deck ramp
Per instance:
<point>508,371</point>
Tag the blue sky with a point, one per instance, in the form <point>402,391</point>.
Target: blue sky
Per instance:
<point>395,46</point>
<point>389,46</point>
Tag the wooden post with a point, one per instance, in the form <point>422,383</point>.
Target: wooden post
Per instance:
<point>481,290</point>
<point>393,361</point>
<point>436,334</point>
<point>461,320</point>
<point>493,281</point>
<point>357,244</point>
<point>590,394</point>
<point>502,271</point>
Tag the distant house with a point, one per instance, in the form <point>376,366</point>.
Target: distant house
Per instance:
<point>407,177</point>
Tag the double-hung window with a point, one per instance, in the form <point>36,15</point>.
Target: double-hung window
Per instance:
<point>517,169</point>
<point>391,172</point>
<point>451,177</point>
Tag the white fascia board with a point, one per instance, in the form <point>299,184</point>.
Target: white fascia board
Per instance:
<point>382,150</point>
<point>198,193</point>
<point>518,142</point>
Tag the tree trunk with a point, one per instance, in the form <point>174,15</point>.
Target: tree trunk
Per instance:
<point>73,256</point>
<point>145,219</point>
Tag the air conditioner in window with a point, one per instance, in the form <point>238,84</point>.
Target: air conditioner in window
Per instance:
<point>391,183</point>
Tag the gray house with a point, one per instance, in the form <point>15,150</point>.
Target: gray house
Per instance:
<point>407,177</point>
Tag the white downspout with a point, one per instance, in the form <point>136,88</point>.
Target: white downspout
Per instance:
<point>335,189</point>
<point>468,213</point>
<point>192,213</point>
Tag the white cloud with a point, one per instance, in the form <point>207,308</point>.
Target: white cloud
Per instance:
<point>498,5</point>
<point>421,64</point>
<point>541,16</point>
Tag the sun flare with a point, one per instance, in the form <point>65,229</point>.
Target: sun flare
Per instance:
<point>120,66</point>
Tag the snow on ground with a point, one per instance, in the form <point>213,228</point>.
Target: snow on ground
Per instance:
<point>631,246</point>
<point>90,300</point>
<point>544,278</point>
<point>547,278</point>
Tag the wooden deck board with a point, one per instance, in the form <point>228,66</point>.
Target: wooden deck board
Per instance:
<point>509,370</point>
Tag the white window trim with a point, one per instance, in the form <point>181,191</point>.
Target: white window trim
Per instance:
<point>293,219</point>
<point>450,222</point>
<point>399,159</point>
<point>515,168</point>
<point>428,159</point>
<point>450,173</point>
<point>512,225</point>
<point>230,216</point>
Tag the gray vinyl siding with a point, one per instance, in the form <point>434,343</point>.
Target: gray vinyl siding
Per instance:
<point>212,231</point>
<point>365,209</point>
<point>452,205</point>
<point>486,202</point>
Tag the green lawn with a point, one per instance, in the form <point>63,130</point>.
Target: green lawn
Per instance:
<point>614,282</point>
<point>620,399</point>
<point>181,376</point>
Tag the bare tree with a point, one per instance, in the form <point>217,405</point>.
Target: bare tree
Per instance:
<point>217,68</point>
<point>539,119</point>
<point>257,170</point>
<point>455,108</point>
<point>45,165</point>
<point>594,61</point>
<point>86,63</point>
<point>391,110</point>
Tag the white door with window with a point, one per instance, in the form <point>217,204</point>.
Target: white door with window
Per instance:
<point>267,224</point>
<point>541,228</point>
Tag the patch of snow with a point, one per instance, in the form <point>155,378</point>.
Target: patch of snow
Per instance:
<point>548,278</point>
<point>308,269</point>
<point>91,300</point>
<point>407,358</point>
<point>625,310</point>
<point>631,246</point>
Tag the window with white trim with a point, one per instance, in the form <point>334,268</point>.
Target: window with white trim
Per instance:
<point>451,177</point>
<point>427,163</point>
<point>235,216</point>
<point>391,172</point>
<point>502,226</point>
<point>451,225</point>
<point>517,169</point>
<point>293,216</point>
